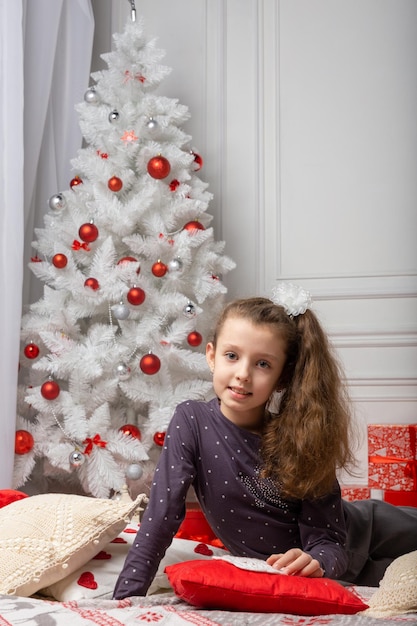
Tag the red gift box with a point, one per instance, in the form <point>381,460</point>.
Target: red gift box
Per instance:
<point>355,492</point>
<point>401,498</point>
<point>392,456</point>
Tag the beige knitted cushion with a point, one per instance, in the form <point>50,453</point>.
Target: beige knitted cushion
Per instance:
<point>397,592</point>
<point>46,537</point>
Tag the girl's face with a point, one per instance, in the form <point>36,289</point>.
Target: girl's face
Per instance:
<point>247,364</point>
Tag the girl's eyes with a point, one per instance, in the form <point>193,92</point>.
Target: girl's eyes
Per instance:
<point>263,364</point>
<point>232,356</point>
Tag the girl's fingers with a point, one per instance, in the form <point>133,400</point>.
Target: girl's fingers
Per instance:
<point>296,562</point>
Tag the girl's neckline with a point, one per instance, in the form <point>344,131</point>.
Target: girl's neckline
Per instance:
<point>241,429</point>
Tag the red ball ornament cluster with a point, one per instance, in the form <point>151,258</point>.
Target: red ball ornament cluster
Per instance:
<point>59,260</point>
<point>88,232</point>
<point>136,296</point>
<point>126,259</point>
<point>194,338</point>
<point>31,351</point>
<point>174,184</point>
<point>150,364</point>
<point>159,167</point>
<point>115,183</point>
<point>75,182</point>
<point>159,438</point>
<point>92,283</point>
<point>50,390</point>
<point>159,269</point>
<point>198,161</point>
<point>24,442</point>
<point>193,226</point>
<point>131,430</point>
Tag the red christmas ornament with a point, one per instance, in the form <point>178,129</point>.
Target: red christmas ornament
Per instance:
<point>131,430</point>
<point>88,232</point>
<point>31,351</point>
<point>193,226</point>
<point>126,259</point>
<point>159,269</point>
<point>194,338</point>
<point>174,184</point>
<point>159,439</point>
<point>76,181</point>
<point>50,390</point>
<point>92,283</point>
<point>198,161</point>
<point>59,260</point>
<point>136,296</point>
<point>150,364</point>
<point>159,167</point>
<point>23,442</point>
<point>115,183</point>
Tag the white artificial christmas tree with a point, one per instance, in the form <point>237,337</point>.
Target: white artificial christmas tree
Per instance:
<point>133,283</point>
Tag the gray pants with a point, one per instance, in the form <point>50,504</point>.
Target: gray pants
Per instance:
<point>378,533</point>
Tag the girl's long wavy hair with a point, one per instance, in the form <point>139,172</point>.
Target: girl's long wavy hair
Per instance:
<point>310,436</point>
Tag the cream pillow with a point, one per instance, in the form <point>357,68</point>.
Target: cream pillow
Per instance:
<point>397,592</point>
<point>97,578</point>
<point>46,537</point>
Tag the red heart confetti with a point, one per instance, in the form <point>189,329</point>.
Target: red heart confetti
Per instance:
<point>102,556</point>
<point>119,540</point>
<point>203,549</point>
<point>87,580</point>
<point>130,530</point>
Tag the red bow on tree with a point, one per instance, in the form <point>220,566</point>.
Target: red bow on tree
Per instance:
<point>129,75</point>
<point>95,441</point>
<point>77,245</point>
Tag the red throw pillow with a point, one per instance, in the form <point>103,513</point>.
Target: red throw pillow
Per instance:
<point>7,496</point>
<point>196,528</point>
<point>217,584</point>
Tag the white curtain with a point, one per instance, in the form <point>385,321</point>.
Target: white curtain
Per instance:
<point>45,56</point>
<point>11,223</point>
<point>58,43</point>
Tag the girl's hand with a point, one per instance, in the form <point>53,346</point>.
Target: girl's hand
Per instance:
<point>295,561</point>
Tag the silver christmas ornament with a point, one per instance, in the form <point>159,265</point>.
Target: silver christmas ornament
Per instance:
<point>120,311</point>
<point>91,96</point>
<point>114,116</point>
<point>175,265</point>
<point>57,202</point>
<point>189,310</point>
<point>76,458</point>
<point>122,371</point>
<point>152,124</point>
<point>134,471</point>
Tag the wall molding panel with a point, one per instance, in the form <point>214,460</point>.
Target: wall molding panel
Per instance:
<point>305,114</point>
<point>365,287</point>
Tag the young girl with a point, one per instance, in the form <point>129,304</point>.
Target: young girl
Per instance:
<point>266,481</point>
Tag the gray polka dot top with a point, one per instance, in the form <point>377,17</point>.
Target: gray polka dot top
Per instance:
<point>221,461</point>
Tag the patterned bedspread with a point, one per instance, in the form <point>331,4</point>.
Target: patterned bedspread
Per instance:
<point>166,610</point>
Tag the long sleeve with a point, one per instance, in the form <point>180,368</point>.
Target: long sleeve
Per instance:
<point>163,515</point>
<point>323,532</point>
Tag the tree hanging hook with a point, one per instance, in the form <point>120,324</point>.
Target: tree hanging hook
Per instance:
<point>132,10</point>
